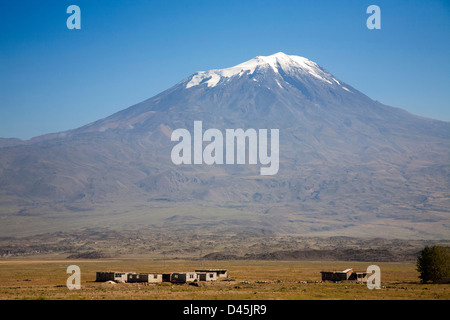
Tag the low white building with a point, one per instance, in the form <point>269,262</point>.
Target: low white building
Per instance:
<point>220,273</point>
<point>145,277</point>
<point>206,276</point>
<point>182,277</point>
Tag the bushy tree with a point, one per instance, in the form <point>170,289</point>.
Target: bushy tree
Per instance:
<point>433,263</point>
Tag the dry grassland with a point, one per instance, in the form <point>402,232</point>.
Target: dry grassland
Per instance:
<point>46,279</point>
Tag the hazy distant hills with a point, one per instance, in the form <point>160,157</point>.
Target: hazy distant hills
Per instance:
<point>348,165</point>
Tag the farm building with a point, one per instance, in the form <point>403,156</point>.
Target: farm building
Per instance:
<point>336,275</point>
<point>145,277</point>
<point>347,274</point>
<point>112,276</point>
<point>221,273</point>
<point>176,277</point>
<point>182,277</point>
<point>359,276</point>
<point>104,276</point>
<point>206,276</point>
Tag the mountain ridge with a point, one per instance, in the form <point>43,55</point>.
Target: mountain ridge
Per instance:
<point>346,161</point>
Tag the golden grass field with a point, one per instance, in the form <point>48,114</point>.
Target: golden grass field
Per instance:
<point>46,279</point>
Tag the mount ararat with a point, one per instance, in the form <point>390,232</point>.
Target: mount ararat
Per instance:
<point>348,165</point>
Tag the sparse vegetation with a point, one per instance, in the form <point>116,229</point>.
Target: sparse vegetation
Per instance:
<point>249,280</point>
<point>433,264</point>
<point>260,266</point>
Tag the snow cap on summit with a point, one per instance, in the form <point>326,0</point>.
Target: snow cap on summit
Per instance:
<point>289,64</point>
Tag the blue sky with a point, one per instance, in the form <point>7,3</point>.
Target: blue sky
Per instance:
<point>54,79</point>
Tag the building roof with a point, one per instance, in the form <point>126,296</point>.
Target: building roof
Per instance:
<point>209,270</point>
<point>344,271</point>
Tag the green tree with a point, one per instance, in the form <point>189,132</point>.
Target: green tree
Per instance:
<point>433,263</point>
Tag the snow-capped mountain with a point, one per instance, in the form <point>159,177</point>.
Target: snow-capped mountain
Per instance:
<point>345,160</point>
<point>279,87</point>
<point>278,63</point>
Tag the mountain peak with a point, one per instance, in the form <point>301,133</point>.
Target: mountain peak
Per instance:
<point>281,59</point>
<point>288,64</point>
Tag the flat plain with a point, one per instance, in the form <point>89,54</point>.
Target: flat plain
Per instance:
<point>44,278</point>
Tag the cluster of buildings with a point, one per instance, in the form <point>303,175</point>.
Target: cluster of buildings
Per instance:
<point>210,275</point>
<point>174,277</point>
<point>345,275</point>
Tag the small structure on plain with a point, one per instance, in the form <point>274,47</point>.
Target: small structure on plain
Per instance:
<point>345,275</point>
<point>174,277</point>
